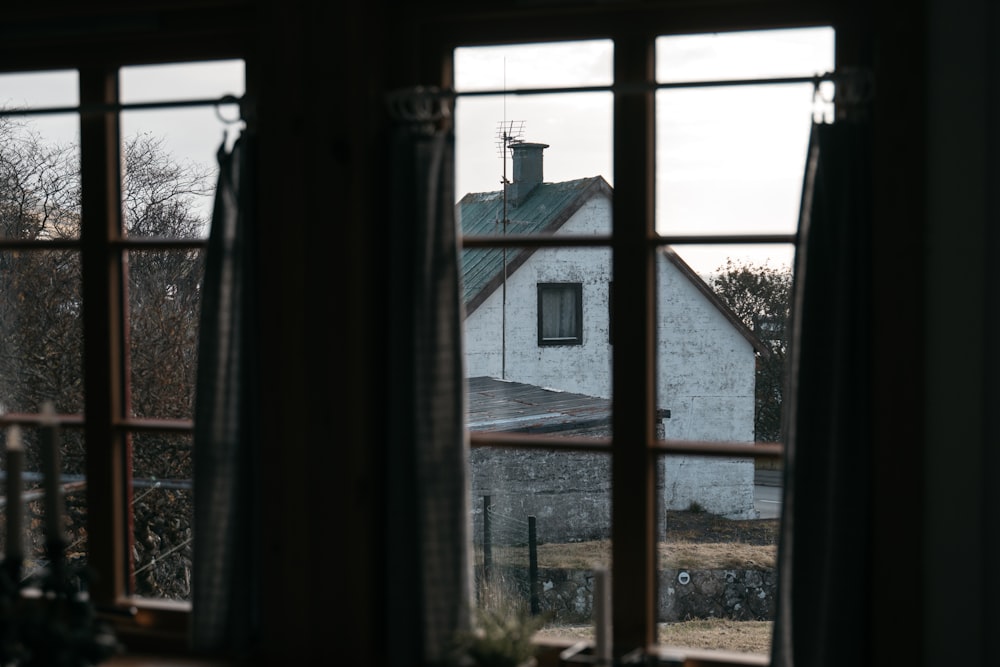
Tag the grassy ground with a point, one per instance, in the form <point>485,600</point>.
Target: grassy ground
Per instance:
<point>692,539</point>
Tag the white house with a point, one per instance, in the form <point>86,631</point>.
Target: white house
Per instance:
<point>541,317</point>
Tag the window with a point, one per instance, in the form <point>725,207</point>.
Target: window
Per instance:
<point>679,143</point>
<point>105,257</point>
<point>560,314</point>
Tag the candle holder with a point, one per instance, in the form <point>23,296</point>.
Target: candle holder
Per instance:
<point>49,620</point>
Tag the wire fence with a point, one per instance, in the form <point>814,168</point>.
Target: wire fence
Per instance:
<point>160,549</point>
<point>499,560</point>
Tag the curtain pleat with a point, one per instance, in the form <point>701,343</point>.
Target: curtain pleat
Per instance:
<point>224,606</point>
<point>822,615</point>
<point>429,571</point>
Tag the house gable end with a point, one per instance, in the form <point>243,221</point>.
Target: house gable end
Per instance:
<point>713,298</point>
<point>544,212</point>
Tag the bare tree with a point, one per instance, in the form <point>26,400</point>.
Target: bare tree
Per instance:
<point>761,296</point>
<point>41,344</point>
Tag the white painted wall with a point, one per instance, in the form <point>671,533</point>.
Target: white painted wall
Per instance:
<point>706,368</point>
<point>706,379</point>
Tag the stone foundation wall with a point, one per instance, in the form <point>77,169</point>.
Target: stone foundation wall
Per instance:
<point>569,494</point>
<point>685,594</point>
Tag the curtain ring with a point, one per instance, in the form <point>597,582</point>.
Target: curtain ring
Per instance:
<point>229,99</point>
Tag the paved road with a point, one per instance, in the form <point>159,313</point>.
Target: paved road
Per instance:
<point>767,493</point>
<point>767,500</point>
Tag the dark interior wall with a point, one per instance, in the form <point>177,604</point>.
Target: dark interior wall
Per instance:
<point>896,46</point>
<point>323,140</point>
<point>311,191</point>
<point>960,510</point>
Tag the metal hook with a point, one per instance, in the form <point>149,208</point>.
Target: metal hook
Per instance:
<point>819,100</point>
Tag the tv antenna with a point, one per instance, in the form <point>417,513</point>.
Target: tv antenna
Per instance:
<point>509,132</point>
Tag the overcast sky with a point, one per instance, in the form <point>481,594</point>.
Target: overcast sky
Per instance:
<point>729,160</point>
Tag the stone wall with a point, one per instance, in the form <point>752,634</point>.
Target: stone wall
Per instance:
<point>685,594</point>
<point>569,493</point>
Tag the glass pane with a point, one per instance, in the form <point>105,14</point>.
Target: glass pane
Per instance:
<point>523,169</point>
<point>709,261</point>
<point>161,502</point>
<point>527,141</point>
<point>717,574</point>
<point>541,525</point>
<point>164,299</point>
<point>722,339</point>
<point>731,160</point>
<point>549,65</point>
<point>181,81</point>
<point>170,165</point>
<point>745,55</point>
<point>39,158</point>
<point>40,330</point>
<point>26,90</point>
<point>502,336</point>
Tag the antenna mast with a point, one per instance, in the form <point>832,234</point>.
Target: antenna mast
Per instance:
<point>509,132</point>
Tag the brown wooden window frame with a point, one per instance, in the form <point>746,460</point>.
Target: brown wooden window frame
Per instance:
<point>634,447</point>
<point>106,421</point>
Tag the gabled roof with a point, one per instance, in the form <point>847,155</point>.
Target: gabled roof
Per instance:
<point>543,212</point>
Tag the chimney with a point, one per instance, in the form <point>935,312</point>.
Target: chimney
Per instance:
<point>527,159</point>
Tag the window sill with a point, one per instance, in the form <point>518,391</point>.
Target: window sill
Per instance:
<point>151,660</point>
<point>549,656</point>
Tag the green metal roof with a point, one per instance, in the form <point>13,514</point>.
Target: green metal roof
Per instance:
<point>546,208</point>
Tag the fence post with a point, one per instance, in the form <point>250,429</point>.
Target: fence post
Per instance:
<point>533,565</point>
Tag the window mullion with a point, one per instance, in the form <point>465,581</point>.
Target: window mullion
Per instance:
<point>100,171</point>
<point>634,589</point>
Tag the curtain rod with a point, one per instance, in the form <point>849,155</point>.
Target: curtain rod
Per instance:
<point>815,80</point>
<point>855,87</point>
<point>857,80</point>
<point>225,100</point>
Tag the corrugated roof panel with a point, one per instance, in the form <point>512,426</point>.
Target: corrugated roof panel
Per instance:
<point>542,212</point>
<point>515,407</point>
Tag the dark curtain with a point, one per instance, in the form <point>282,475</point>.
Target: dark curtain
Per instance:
<point>822,616</point>
<point>429,572</point>
<point>224,606</point>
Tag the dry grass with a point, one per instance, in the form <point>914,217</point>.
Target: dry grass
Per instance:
<point>673,555</point>
<point>692,540</point>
